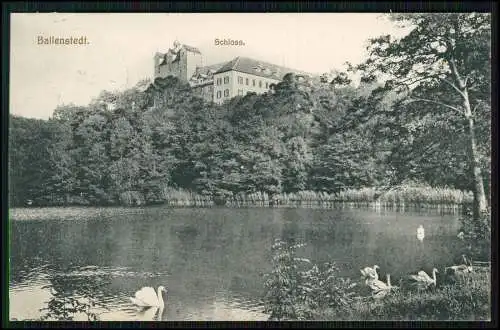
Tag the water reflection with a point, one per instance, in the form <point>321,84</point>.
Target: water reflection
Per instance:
<point>211,260</point>
<point>26,300</point>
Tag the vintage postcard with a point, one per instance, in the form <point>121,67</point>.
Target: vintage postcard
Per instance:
<point>250,166</point>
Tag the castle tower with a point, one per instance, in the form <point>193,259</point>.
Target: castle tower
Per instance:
<point>180,61</point>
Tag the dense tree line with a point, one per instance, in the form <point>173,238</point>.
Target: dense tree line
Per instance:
<point>320,134</point>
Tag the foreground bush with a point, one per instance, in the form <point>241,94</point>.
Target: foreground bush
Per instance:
<point>295,289</point>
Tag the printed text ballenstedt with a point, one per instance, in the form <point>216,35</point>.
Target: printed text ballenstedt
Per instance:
<point>81,40</point>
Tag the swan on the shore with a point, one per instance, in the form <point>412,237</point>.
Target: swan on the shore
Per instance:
<point>379,288</point>
<point>466,267</point>
<point>370,272</point>
<point>147,297</point>
<point>422,278</point>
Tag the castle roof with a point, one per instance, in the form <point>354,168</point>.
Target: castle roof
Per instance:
<point>213,67</point>
<point>183,46</point>
<point>204,75</point>
<point>258,68</point>
<point>191,49</point>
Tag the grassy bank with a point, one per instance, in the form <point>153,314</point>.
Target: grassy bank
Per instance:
<point>466,300</point>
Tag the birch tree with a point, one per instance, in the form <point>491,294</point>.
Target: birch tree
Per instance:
<point>442,66</point>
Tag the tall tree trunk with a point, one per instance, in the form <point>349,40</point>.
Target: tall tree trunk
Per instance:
<point>480,204</point>
<point>479,195</point>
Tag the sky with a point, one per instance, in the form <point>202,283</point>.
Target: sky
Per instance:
<point>121,46</point>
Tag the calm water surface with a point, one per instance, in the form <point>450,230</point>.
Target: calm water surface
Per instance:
<point>211,260</point>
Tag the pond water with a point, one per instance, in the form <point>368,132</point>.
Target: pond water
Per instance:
<point>211,260</point>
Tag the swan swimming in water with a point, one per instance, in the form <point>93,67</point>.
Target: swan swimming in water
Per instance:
<point>147,297</point>
<point>420,233</point>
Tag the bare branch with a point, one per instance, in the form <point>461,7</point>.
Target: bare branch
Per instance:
<point>415,99</point>
<point>475,108</point>
<point>473,87</point>
<point>406,81</point>
<point>453,85</point>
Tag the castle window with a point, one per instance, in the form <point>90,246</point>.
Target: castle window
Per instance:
<point>226,80</point>
<point>253,82</point>
<point>240,80</point>
<point>219,81</point>
<point>247,81</point>
<point>267,85</point>
<point>260,83</point>
<point>219,94</point>
<point>226,92</point>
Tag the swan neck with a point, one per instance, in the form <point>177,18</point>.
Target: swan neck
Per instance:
<point>160,299</point>
<point>160,313</point>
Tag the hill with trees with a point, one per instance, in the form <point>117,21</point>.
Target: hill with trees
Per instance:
<point>139,145</point>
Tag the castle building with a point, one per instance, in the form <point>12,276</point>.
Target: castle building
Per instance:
<point>218,82</point>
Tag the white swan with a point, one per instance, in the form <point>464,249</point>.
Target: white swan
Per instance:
<point>466,267</point>
<point>377,285</point>
<point>420,233</point>
<point>423,278</point>
<point>370,272</point>
<point>147,297</point>
<point>379,288</point>
<point>151,313</point>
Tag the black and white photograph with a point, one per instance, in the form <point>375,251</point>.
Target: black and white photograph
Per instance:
<point>249,166</point>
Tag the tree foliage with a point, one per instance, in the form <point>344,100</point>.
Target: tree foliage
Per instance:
<point>436,97</point>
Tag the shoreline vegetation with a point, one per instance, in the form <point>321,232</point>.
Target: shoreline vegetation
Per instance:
<point>464,300</point>
<point>297,289</point>
<point>400,197</point>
